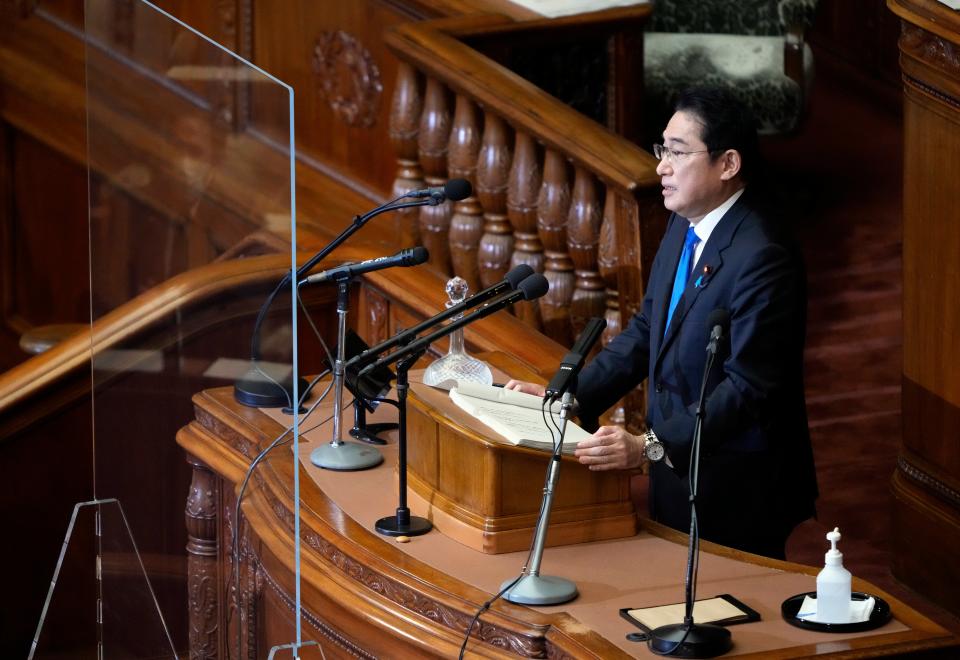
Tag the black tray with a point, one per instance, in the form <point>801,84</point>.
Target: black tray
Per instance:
<point>880,615</point>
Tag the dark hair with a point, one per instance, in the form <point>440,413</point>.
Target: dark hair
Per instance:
<point>728,123</point>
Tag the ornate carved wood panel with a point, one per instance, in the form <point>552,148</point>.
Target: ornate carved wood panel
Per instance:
<point>927,480</point>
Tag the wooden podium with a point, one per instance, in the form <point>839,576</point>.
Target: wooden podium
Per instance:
<point>364,595</point>
<point>486,493</point>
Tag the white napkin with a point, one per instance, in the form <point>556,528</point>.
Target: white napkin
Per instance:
<point>860,610</point>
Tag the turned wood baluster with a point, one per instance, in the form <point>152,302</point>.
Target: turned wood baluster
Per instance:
<point>493,172</point>
<point>432,147</point>
<point>522,190</point>
<point>583,236</point>
<point>202,583</point>
<point>466,225</point>
<point>553,205</point>
<point>607,265</point>
<point>404,129</point>
<point>621,267</point>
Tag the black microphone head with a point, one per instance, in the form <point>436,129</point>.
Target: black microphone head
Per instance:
<point>414,256</point>
<point>457,189</point>
<point>517,275</point>
<point>533,286</point>
<point>720,317</point>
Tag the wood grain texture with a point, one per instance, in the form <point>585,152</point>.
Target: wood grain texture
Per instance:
<point>366,597</point>
<point>926,508</point>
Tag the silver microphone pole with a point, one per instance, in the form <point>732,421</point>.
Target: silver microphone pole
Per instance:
<point>533,588</point>
<point>339,454</point>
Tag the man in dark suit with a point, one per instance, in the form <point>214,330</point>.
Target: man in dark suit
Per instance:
<point>720,252</point>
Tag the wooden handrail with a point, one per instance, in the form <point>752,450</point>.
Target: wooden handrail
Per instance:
<point>414,288</point>
<point>432,47</point>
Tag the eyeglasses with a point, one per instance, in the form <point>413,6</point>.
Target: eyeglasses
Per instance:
<point>661,152</point>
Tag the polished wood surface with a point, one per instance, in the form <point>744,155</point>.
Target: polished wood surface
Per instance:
<point>927,481</point>
<point>364,595</point>
<point>478,488</point>
<point>354,98</point>
<point>46,434</point>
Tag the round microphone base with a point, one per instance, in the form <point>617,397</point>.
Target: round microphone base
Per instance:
<point>345,456</point>
<point>403,526</point>
<point>540,590</point>
<point>256,390</point>
<point>695,640</point>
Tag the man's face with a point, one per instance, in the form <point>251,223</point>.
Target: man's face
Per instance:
<point>693,183</point>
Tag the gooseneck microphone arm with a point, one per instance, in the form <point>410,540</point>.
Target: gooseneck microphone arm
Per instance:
<point>510,282</point>
<point>532,287</point>
<point>253,389</point>
<point>358,222</point>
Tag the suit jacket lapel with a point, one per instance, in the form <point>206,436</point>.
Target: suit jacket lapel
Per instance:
<point>712,256</point>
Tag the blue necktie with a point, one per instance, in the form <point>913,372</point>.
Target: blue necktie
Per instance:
<point>683,273</point>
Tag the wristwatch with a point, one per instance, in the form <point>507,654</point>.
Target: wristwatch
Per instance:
<point>652,447</point>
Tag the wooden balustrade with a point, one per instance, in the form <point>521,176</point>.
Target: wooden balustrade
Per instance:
<point>553,189</point>
<point>466,225</point>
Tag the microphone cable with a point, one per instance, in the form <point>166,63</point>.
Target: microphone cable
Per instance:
<point>557,438</point>
<point>278,441</point>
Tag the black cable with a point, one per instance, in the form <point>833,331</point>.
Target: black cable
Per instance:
<point>235,540</point>
<point>484,608</point>
<point>557,449</point>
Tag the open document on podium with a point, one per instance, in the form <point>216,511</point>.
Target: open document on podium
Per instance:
<point>516,416</point>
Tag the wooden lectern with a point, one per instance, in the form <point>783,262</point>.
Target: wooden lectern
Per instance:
<point>486,493</point>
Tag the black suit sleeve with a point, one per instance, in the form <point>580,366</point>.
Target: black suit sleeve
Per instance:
<point>617,369</point>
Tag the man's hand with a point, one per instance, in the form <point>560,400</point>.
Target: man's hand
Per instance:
<point>528,388</point>
<point>610,448</point>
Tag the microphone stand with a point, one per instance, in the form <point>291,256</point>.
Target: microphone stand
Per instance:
<point>256,389</point>
<point>367,432</point>
<point>689,639</point>
<point>533,588</point>
<point>403,524</point>
<point>337,454</point>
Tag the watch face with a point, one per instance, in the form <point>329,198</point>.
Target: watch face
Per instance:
<point>654,451</point>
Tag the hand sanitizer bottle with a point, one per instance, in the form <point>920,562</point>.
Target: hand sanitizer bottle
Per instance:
<point>833,585</point>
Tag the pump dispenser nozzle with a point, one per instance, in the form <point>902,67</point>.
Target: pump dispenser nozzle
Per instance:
<point>834,557</point>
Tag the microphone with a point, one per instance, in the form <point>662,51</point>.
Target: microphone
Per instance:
<point>530,288</point>
<point>251,389</point>
<point>454,189</point>
<point>572,362</point>
<point>718,321</point>
<point>408,257</point>
<point>690,639</point>
<point>510,282</point>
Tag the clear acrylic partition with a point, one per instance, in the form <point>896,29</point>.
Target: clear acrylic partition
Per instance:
<point>190,150</point>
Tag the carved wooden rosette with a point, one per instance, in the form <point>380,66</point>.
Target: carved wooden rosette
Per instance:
<point>405,113</point>
<point>432,148</point>
<point>493,173</point>
<point>348,78</point>
<point>202,580</point>
<point>552,209</point>
<point>523,188</point>
<point>466,225</point>
<point>583,236</point>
